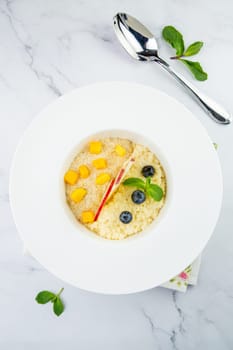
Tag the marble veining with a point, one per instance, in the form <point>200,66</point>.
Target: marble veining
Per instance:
<point>49,47</point>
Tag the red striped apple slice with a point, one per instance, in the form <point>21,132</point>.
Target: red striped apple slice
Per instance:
<point>114,184</point>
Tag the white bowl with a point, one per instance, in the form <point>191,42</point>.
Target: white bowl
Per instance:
<point>170,243</point>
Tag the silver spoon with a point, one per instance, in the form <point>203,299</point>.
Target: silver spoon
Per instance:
<point>140,43</point>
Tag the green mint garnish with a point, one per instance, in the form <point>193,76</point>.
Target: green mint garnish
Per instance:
<point>175,39</point>
<point>196,69</point>
<point>152,190</point>
<point>193,49</point>
<point>46,296</point>
<point>155,192</point>
<point>135,182</point>
<point>58,306</point>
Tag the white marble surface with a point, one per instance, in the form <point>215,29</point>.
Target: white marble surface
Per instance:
<point>47,48</point>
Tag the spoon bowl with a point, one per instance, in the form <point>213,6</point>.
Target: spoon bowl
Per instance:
<point>137,40</point>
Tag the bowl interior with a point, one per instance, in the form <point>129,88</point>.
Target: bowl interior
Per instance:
<point>137,138</point>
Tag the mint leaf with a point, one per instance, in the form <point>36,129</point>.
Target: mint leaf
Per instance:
<point>155,192</point>
<point>174,38</point>
<point>134,182</point>
<point>58,306</point>
<point>44,297</point>
<point>193,49</point>
<point>196,69</point>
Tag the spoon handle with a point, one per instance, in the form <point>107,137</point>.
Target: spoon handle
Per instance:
<point>216,112</point>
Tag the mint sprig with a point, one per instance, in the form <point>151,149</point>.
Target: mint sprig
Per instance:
<point>46,296</point>
<point>152,190</point>
<point>175,39</point>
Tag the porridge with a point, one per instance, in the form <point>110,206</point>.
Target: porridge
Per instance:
<point>115,187</point>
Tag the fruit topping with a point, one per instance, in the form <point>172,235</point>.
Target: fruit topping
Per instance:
<point>121,151</point>
<point>126,217</point>
<point>83,171</point>
<point>95,147</point>
<point>78,194</point>
<point>88,216</point>
<point>102,178</point>
<point>138,197</point>
<point>100,163</point>
<point>148,170</point>
<point>71,177</point>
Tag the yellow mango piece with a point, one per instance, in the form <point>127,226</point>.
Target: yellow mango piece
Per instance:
<point>88,216</point>
<point>100,163</point>
<point>121,151</point>
<point>83,171</point>
<point>71,177</point>
<point>95,147</point>
<point>102,178</point>
<point>78,194</point>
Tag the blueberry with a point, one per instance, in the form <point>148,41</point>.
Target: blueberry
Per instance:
<point>138,197</point>
<point>126,217</point>
<point>148,170</point>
